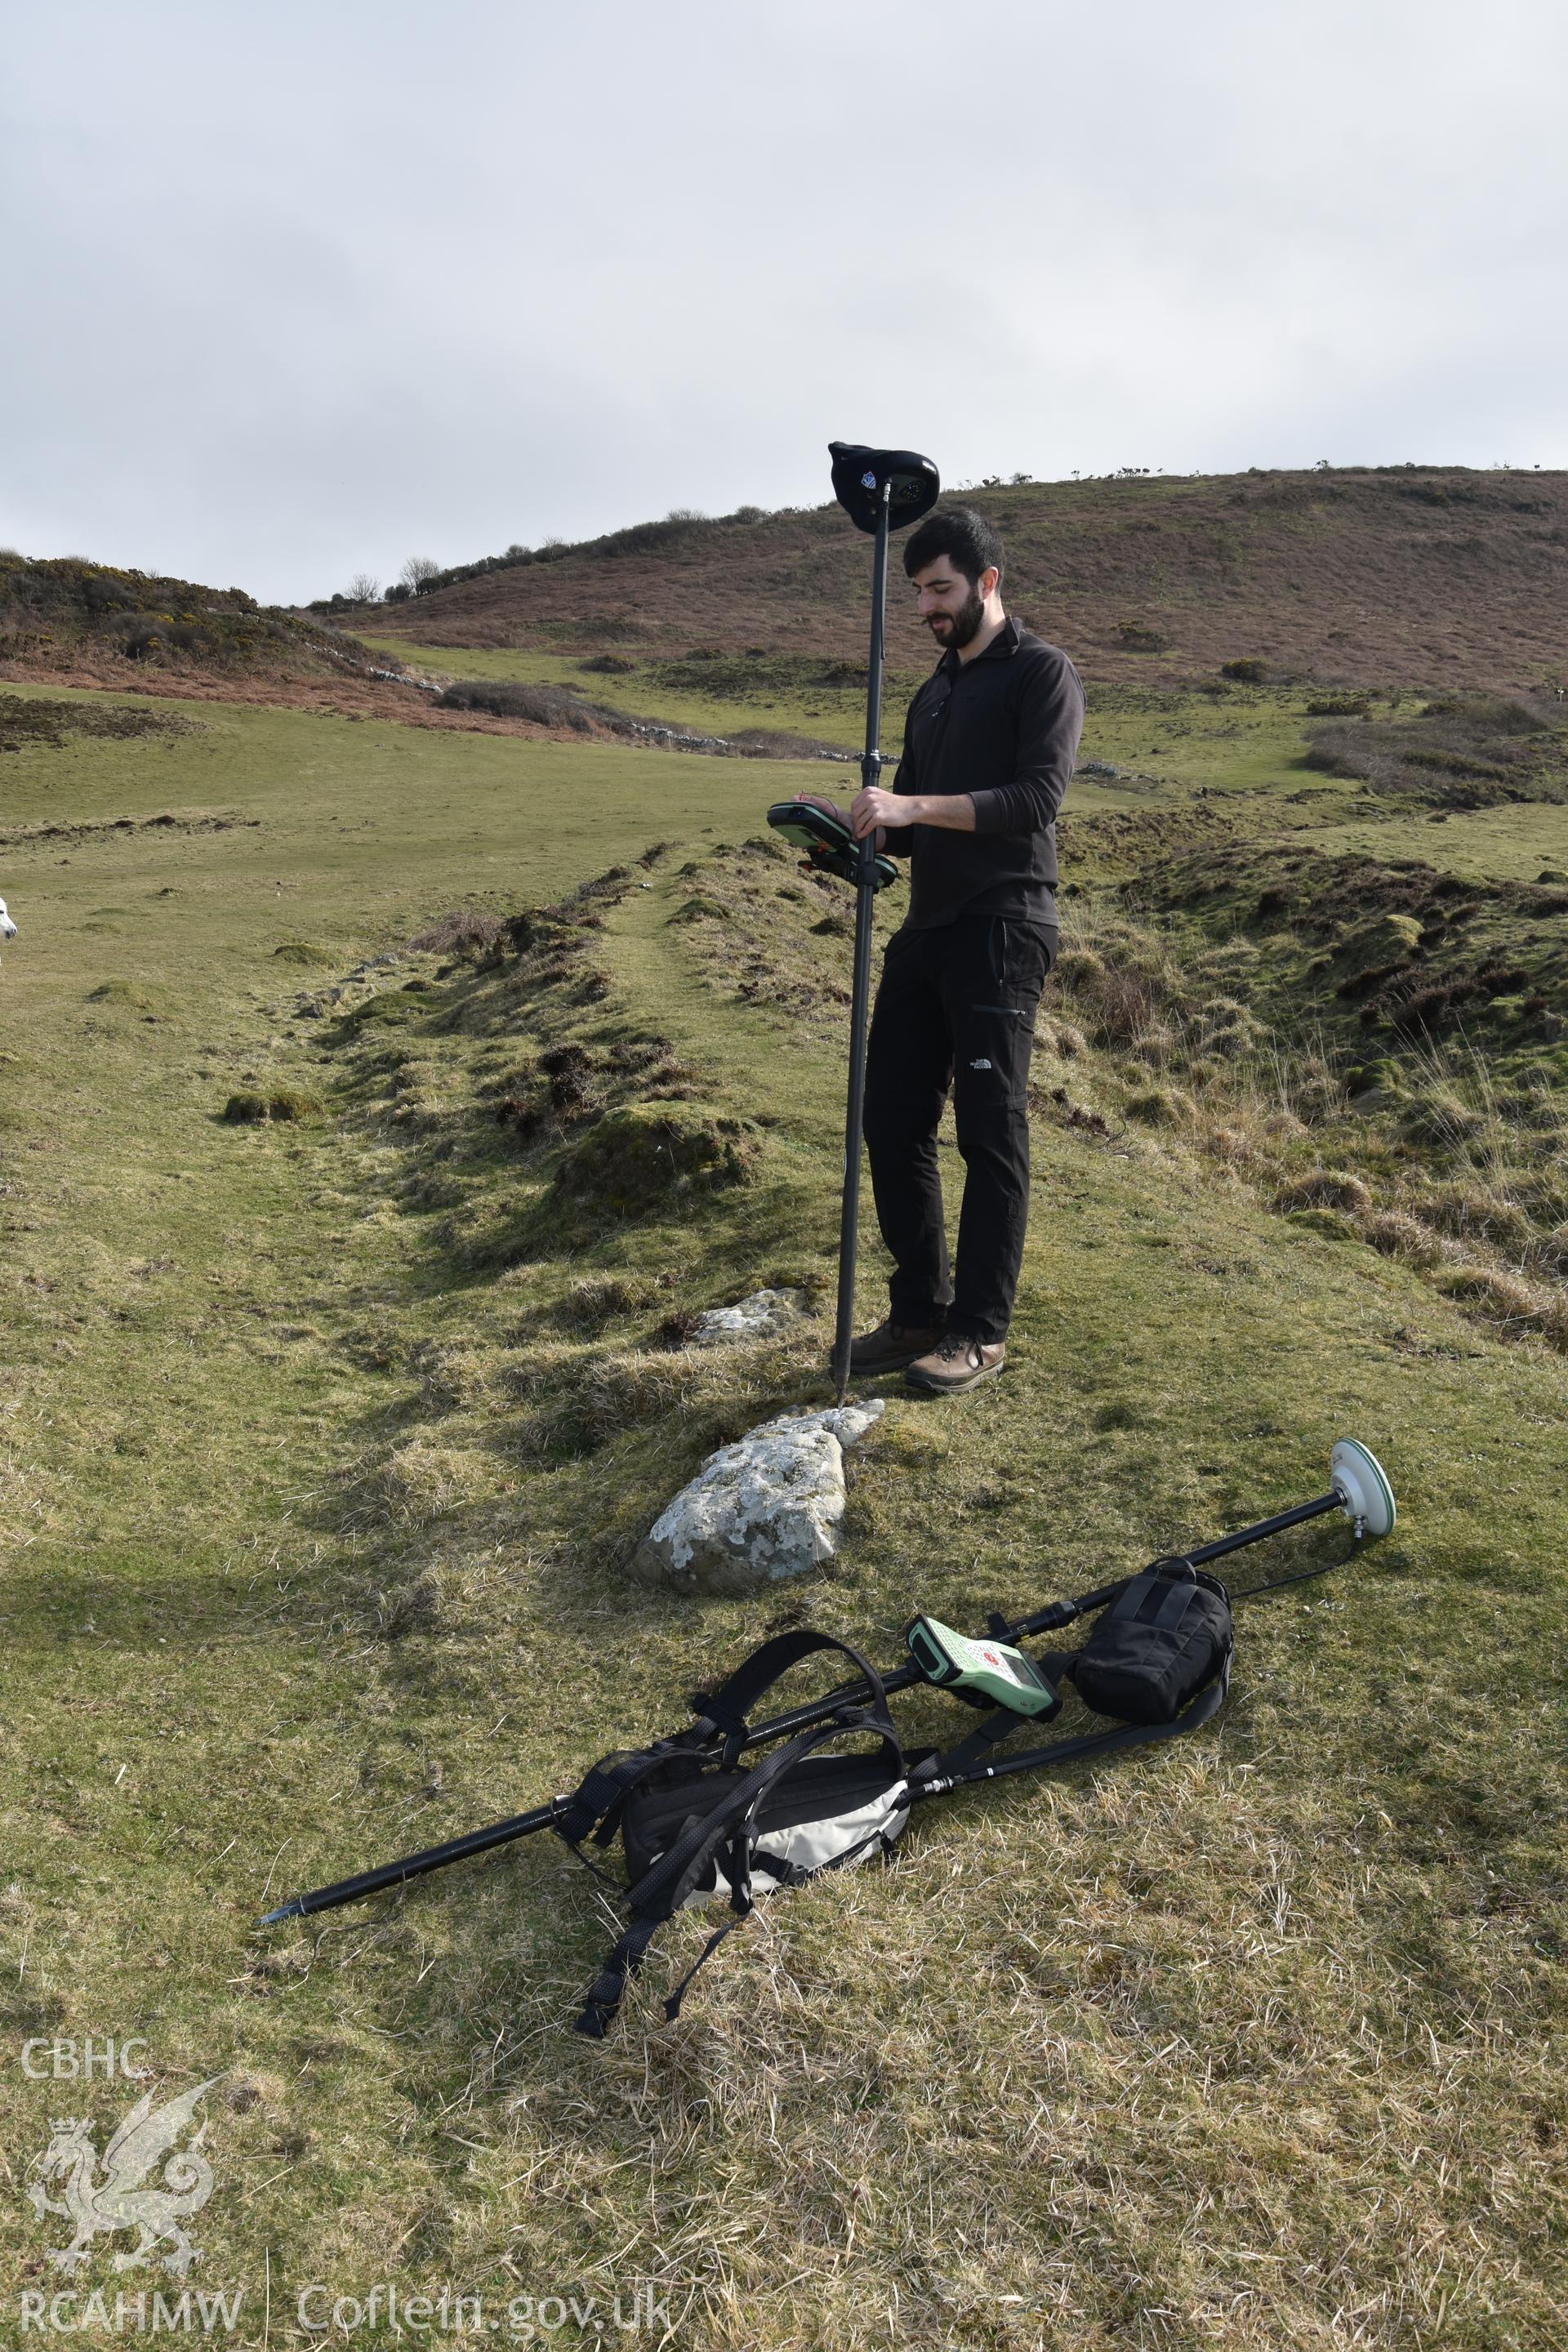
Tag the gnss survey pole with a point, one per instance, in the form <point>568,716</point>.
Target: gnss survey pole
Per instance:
<point>859,1017</point>
<point>880,490</point>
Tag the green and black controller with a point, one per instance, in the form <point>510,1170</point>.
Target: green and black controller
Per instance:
<point>830,847</point>
<point>983,1673</point>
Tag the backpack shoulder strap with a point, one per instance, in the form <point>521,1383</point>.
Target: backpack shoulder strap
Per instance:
<point>727,1708</point>
<point>599,1799</point>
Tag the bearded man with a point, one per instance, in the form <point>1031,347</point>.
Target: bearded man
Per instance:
<point>989,745</point>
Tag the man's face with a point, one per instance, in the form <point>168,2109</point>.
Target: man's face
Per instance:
<point>952,607</point>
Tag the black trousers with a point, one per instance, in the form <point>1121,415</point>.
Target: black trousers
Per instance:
<point>955,1011</point>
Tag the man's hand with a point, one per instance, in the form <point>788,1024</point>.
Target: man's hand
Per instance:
<point>875,809</point>
<point>829,808</point>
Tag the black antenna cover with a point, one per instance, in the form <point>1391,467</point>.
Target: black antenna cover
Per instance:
<point>858,475</point>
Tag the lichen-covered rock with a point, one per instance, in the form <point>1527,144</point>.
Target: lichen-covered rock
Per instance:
<point>761,1511</point>
<point>758,1316</point>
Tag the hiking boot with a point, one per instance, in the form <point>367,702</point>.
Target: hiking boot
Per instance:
<point>956,1363</point>
<point>892,1346</point>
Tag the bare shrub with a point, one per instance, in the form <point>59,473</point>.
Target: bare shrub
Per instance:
<point>1461,751</point>
<point>1127,987</point>
<point>541,705</point>
<point>465,931</point>
<point>570,1071</point>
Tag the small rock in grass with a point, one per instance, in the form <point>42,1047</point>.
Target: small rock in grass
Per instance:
<point>762,1509</point>
<point>758,1316</point>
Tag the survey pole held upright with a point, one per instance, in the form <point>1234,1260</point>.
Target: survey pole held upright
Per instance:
<point>859,1017</point>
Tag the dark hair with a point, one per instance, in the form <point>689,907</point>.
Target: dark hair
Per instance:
<point>972,543</point>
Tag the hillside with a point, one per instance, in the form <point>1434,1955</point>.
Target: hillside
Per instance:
<point>341,1369</point>
<point>380,1106</point>
<point>1414,576</point>
<point>69,620</point>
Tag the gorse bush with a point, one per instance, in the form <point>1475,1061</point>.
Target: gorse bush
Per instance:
<point>58,605</point>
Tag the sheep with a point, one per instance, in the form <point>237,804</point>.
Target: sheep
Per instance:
<point>7,928</point>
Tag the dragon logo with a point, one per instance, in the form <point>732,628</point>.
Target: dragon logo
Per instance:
<point>118,2200</point>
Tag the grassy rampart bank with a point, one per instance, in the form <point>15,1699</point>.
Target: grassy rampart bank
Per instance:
<point>325,1437</point>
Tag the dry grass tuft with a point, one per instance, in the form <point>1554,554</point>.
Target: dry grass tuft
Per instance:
<point>1324,1187</point>
<point>1396,1233</point>
<point>594,1300</point>
<point>1494,1298</point>
<point>419,1481</point>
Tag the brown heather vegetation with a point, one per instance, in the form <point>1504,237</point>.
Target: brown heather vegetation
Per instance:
<point>1426,575</point>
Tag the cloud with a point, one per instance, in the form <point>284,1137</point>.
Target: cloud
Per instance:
<point>293,291</point>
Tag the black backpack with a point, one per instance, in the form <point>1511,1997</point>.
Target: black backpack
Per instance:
<point>694,1825</point>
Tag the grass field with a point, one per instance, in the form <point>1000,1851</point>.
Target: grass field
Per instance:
<point>324,1440</point>
<point>1244,736</point>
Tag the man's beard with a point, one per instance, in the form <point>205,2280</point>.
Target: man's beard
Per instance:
<point>966,621</point>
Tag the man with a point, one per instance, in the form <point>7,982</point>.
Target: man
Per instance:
<point>989,745</point>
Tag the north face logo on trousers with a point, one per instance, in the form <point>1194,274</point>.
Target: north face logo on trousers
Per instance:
<point>979,1065</point>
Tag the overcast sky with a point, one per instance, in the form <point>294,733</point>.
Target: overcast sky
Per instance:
<point>292,291</point>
